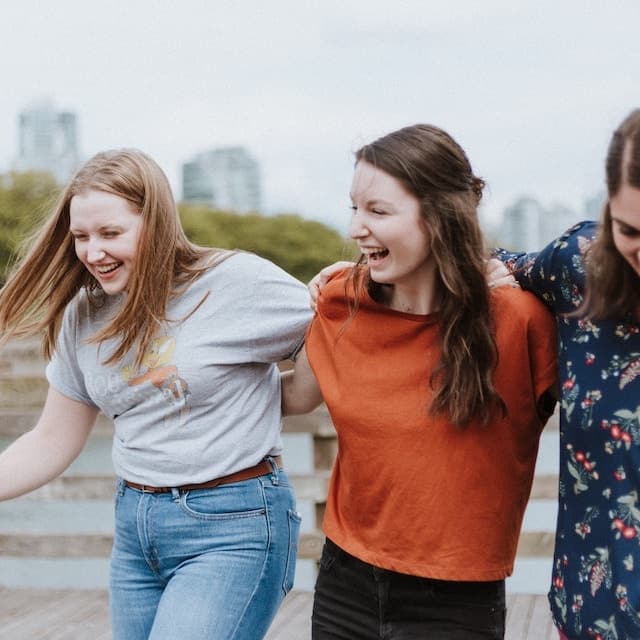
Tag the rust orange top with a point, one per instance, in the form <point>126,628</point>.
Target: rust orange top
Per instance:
<point>411,492</point>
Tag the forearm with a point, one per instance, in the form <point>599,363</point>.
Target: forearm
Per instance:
<point>30,462</point>
<point>49,448</point>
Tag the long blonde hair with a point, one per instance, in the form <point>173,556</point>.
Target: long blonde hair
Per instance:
<point>49,274</point>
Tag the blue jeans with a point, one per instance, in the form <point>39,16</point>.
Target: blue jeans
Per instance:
<point>205,564</point>
<point>357,601</point>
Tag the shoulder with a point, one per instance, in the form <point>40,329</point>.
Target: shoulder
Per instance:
<point>574,243</point>
<point>238,261</point>
<point>338,292</point>
<point>337,282</point>
<point>243,267</point>
<point>513,305</point>
<point>586,228</point>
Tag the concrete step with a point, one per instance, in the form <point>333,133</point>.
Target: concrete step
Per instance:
<point>21,401</point>
<point>78,484</point>
<point>314,429</point>
<point>532,544</point>
<point>75,544</point>
<point>82,528</point>
<point>531,575</point>
<point>77,487</point>
<point>91,573</point>
<point>14,421</point>
<point>23,392</point>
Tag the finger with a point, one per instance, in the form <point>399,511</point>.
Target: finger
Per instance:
<point>314,292</point>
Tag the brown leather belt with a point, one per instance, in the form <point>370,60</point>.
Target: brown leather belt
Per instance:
<point>261,469</point>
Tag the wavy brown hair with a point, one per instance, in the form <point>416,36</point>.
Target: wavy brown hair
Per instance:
<point>612,285</point>
<point>436,170</point>
<point>49,274</point>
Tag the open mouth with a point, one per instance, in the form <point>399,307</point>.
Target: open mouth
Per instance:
<point>108,268</point>
<point>376,256</point>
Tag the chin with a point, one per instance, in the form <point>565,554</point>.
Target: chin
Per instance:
<point>113,290</point>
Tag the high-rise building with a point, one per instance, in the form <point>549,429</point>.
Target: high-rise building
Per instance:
<point>48,141</point>
<point>528,226</point>
<point>226,178</point>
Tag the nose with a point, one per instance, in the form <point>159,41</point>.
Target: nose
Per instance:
<point>357,229</point>
<point>94,252</point>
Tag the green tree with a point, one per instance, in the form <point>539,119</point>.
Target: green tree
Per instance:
<point>25,198</point>
<point>301,247</point>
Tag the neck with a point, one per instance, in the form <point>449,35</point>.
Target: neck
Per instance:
<point>421,302</point>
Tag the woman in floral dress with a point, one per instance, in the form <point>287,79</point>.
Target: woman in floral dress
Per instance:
<point>590,277</point>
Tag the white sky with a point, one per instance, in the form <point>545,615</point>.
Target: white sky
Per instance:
<point>531,89</point>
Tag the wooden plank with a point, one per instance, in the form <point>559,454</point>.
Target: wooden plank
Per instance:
<point>541,624</point>
<point>544,487</point>
<point>518,616</point>
<point>293,621</point>
<point>529,618</point>
<point>53,615</point>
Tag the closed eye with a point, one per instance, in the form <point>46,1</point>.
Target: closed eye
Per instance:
<point>627,230</point>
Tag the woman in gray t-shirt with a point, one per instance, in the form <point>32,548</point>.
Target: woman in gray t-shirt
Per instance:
<point>178,345</point>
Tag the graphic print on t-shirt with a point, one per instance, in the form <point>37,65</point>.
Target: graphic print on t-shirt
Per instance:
<point>159,370</point>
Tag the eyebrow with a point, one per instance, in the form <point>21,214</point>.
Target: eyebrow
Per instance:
<point>625,224</point>
<point>374,201</point>
<point>104,227</point>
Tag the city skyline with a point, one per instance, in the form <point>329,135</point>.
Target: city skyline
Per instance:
<point>228,178</point>
<point>532,91</point>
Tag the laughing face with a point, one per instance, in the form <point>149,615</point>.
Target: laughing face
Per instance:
<point>105,229</point>
<point>388,225</point>
<point>625,220</point>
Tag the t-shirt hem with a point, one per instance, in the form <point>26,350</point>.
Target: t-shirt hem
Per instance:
<point>435,572</point>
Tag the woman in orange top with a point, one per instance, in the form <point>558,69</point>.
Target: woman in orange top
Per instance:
<point>438,388</point>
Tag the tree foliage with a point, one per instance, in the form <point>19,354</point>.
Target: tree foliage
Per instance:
<point>301,247</point>
<point>25,198</point>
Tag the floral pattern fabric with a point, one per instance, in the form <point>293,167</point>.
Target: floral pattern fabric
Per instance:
<point>595,585</point>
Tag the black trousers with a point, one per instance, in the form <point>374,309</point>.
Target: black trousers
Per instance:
<point>357,601</point>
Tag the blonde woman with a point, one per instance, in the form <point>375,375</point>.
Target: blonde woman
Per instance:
<point>177,344</point>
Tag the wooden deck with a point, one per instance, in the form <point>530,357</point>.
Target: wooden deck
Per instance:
<point>27,614</point>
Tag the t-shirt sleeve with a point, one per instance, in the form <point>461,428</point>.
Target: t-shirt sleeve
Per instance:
<point>280,314</point>
<point>63,371</point>
<point>555,274</point>
<point>543,347</point>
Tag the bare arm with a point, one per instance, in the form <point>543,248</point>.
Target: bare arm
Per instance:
<point>49,448</point>
<point>300,390</point>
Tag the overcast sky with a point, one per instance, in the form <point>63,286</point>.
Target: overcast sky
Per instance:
<point>532,90</point>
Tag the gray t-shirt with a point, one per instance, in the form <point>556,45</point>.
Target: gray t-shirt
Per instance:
<point>206,401</point>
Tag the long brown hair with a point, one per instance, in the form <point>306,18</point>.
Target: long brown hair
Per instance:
<point>49,274</point>
<point>612,285</point>
<point>435,169</point>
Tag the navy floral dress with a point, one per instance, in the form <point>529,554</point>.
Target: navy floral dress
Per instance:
<point>595,587</point>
